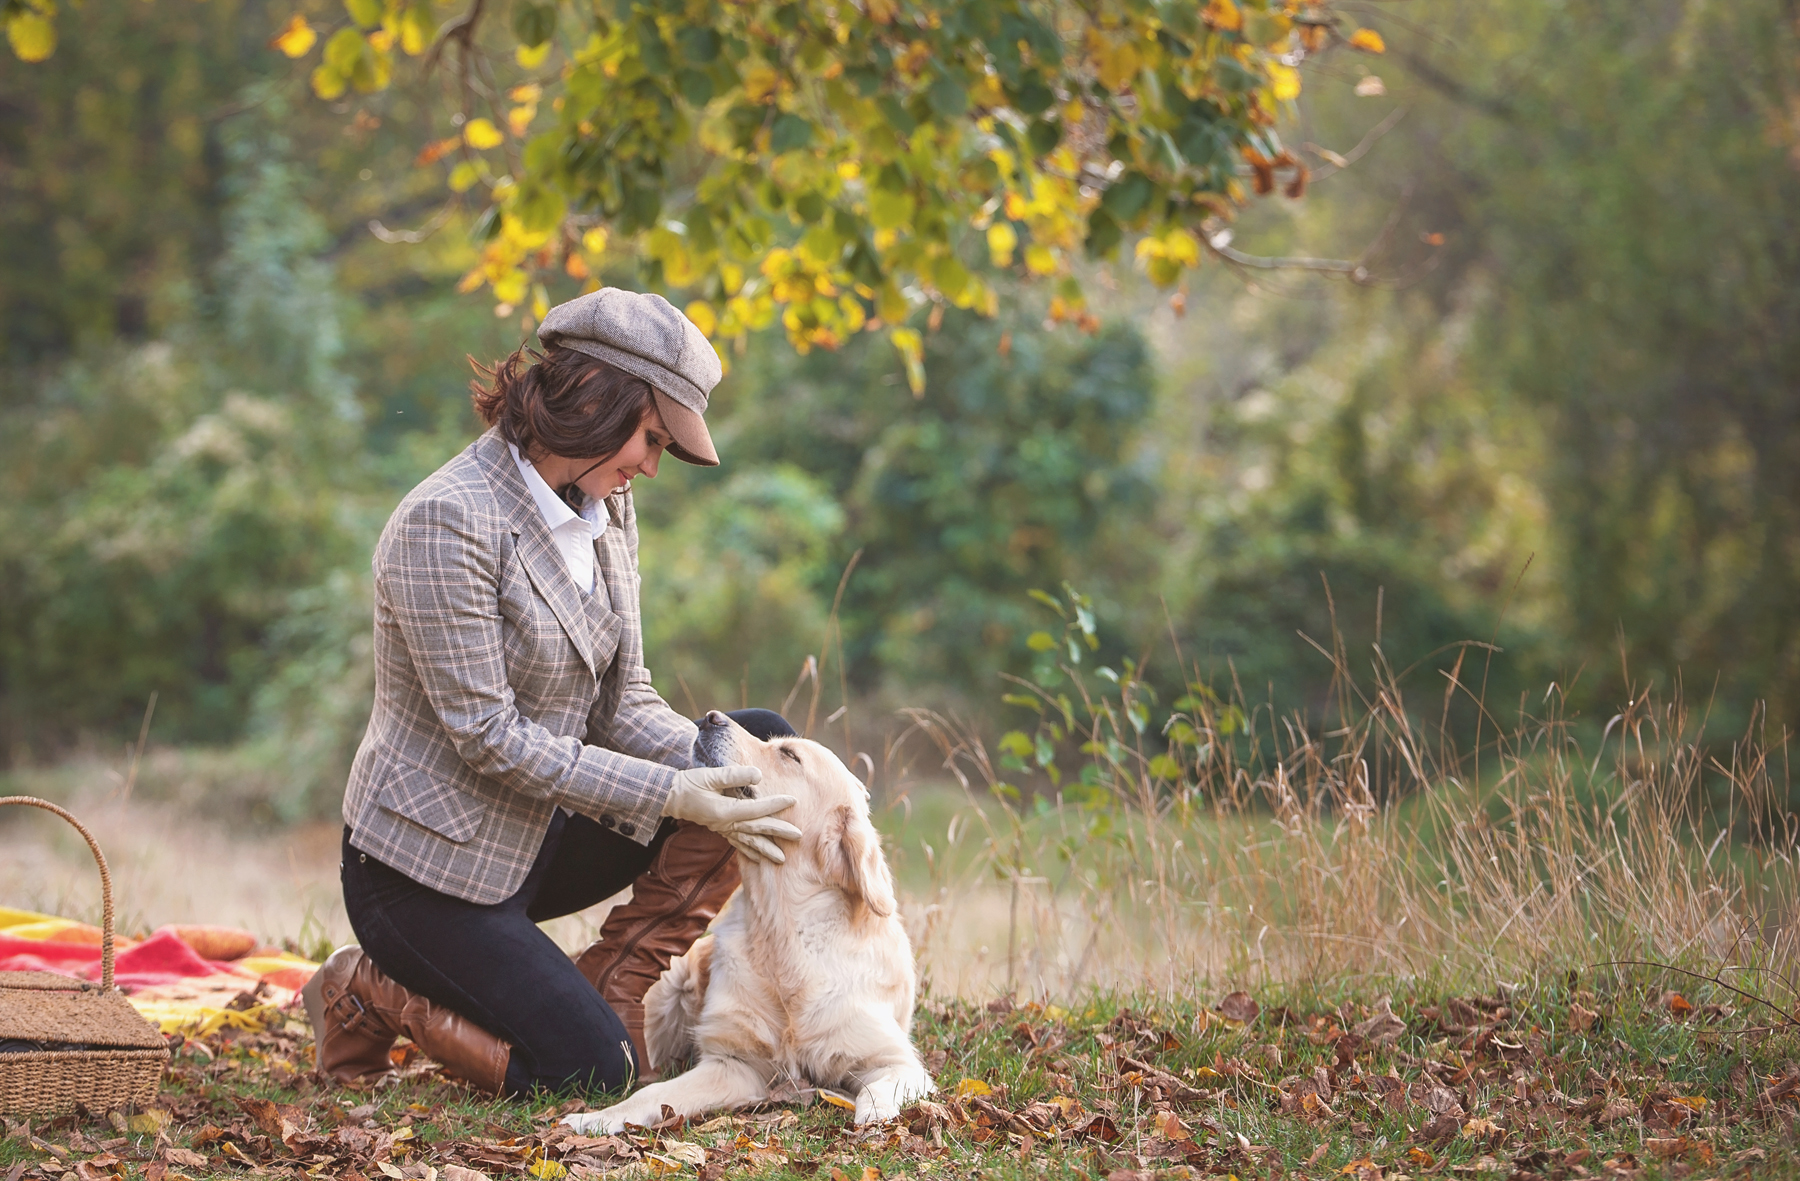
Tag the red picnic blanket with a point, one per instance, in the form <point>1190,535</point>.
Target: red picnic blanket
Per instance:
<point>160,959</point>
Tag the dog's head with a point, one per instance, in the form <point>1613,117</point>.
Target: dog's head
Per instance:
<point>840,846</point>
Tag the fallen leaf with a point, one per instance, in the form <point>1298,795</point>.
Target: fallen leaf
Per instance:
<point>1240,1007</point>
<point>969,1086</point>
<point>147,1122</point>
<point>1582,1019</point>
<point>458,1173</point>
<point>849,1104</point>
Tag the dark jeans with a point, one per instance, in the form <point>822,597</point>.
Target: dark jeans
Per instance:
<point>494,966</point>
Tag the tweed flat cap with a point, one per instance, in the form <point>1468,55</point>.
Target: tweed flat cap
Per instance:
<point>648,337</point>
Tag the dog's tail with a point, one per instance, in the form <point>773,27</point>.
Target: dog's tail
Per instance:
<point>672,1006</point>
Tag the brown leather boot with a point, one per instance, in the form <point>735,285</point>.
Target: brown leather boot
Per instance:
<point>357,1011</point>
<point>672,903</point>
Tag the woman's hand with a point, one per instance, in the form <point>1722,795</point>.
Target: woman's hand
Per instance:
<point>698,796</point>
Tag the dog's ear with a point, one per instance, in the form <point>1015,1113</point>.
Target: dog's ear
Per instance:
<point>848,852</point>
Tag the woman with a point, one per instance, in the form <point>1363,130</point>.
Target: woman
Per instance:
<point>518,764</point>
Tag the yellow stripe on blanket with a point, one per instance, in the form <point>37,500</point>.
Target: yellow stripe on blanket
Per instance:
<point>202,1020</point>
<point>10,918</point>
<point>60,931</point>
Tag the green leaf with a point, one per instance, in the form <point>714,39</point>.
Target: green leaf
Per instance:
<point>1040,641</point>
<point>1043,136</point>
<point>1030,703</point>
<point>1127,196</point>
<point>696,86</point>
<point>699,45</point>
<point>1103,235</point>
<point>345,50</point>
<point>889,211</point>
<point>790,133</point>
<point>1164,767</point>
<point>948,97</point>
<point>897,116</point>
<point>1046,754</point>
<point>1048,600</point>
<point>1034,97</point>
<point>532,24</point>
<point>1016,743</point>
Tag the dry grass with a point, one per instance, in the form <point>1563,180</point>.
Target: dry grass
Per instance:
<point>1259,848</point>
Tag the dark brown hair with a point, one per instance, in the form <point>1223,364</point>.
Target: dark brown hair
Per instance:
<point>568,403</point>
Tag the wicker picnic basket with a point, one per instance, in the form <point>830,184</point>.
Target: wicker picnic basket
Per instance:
<point>93,1048</point>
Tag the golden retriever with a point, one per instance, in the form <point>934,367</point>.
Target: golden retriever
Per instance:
<point>806,978</point>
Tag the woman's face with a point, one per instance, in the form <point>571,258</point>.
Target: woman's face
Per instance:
<point>638,457</point>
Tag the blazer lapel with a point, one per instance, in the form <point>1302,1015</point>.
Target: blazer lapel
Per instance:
<point>536,548</point>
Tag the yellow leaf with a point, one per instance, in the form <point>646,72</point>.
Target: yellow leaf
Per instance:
<point>969,1086</point>
<point>518,120</point>
<point>1284,81</point>
<point>147,1122</point>
<point>1223,14</point>
<point>295,38</point>
<point>837,1100</point>
<point>510,288</point>
<point>530,58</point>
<point>327,83</point>
<point>594,241</point>
<point>707,321</point>
<point>912,351</point>
<point>32,36</point>
<point>1368,40</point>
<point>1002,240</point>
<point>548,1170</point>
<point>481,134</point>
<point>760,83</point>
<point>1039,259</point>
<point>463,177</point>
<point>528,93</point>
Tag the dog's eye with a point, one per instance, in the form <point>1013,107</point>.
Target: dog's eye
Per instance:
<point>788,752</point>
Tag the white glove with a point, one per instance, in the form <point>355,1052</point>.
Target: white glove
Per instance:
<point>698,796</point>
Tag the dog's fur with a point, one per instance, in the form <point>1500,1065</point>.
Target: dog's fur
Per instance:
<point>807,977</point>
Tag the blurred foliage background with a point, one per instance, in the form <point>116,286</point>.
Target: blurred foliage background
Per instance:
<point>1563,418</point>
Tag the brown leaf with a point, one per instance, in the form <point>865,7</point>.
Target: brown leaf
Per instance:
<point>1615,1111</point>
<point>1440,1100</point>
<point>1239,1006</point>
<point>184,1158</point>
<point>1384,1028</point>
<point>1096,1126</point>
<point>1678,1006</point>
<point>1582,1019</point>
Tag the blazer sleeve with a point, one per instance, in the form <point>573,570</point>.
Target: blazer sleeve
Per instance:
<point>439,574</point>
<point>644,725</point>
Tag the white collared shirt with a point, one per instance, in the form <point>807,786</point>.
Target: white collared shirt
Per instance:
<point>574,533</point>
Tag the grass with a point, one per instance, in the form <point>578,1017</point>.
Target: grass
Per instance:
<point>1541,955</point>
<point>1612,1077</point>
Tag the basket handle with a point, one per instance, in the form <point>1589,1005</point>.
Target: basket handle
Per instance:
<point>106,897</point>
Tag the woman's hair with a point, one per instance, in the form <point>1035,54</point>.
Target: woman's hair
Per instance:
<point>567,404</point>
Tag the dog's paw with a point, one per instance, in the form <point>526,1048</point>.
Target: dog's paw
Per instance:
<point>587,1123</point>
<point>882,1098</point>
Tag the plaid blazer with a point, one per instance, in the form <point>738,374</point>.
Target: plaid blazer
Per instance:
<point>500,694</point>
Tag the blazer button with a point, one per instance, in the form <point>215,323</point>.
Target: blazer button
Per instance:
<point>608,821</point>
<point>627,829</point>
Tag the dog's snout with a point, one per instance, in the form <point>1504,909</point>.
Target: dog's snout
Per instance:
<point>715,718</point>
